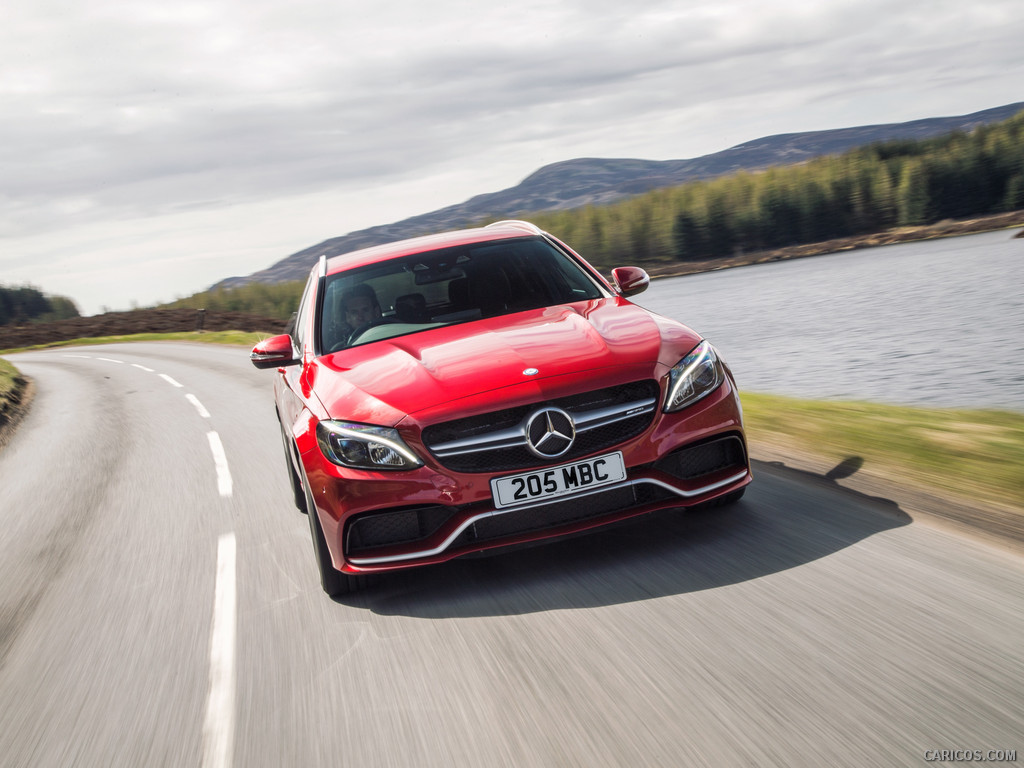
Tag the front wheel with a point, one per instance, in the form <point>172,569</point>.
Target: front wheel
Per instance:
<point>333,581</point>
<point>297,493</point>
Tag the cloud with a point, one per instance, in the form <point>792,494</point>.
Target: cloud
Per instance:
<point>132,115</point>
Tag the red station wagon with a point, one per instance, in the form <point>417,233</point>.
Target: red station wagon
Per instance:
<point>484,388</point>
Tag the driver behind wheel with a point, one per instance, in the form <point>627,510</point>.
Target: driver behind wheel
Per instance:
<point>354,308</point>
<point>361,305</point>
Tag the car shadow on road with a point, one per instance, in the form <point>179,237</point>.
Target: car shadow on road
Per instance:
<point>787,518</point>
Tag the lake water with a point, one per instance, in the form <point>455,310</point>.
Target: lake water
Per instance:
<point>931,323</point>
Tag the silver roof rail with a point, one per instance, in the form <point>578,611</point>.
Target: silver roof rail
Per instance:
<point>531,228</point>
<point>322,266</point>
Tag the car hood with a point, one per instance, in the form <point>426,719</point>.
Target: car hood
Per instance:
<point>384,381</point>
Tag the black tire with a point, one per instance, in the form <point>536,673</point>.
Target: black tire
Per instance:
<point>297,492</point>
<point>334,582</point>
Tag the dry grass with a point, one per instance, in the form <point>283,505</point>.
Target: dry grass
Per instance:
<point>970,454</point>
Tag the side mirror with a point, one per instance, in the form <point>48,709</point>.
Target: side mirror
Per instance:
<point>629,281</point>
<point>273,352</point>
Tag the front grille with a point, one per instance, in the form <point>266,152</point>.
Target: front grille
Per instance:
<point>696,461</point>
<point>398,526</point>
<point>496,442</point>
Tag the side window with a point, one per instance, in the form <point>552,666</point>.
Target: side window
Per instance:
<point>300,324</point>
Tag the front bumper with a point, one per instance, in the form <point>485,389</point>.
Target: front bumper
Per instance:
<point>530,522</point>
<point>387,521</point>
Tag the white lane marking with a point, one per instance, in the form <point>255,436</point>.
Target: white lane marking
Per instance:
<point>219,724</point>
<point>143,368</point>
<point>110,360</point>
<point>220,461</point>
<point>80,357</point>
<point>169,380</point>
<point>199,406</point>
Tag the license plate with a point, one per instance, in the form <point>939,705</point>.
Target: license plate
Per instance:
<point>558,481</point>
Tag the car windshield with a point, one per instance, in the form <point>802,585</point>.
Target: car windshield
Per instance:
<point>452,285</point>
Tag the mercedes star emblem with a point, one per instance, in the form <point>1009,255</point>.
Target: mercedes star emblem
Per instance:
<point>550,433</point>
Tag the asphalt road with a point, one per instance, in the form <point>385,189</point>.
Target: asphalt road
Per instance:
<point>160,607</point>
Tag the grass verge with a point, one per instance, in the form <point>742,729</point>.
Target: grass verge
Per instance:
<point>243,338</point>
<point>966,454</point>
<point>13,398</point>
<point>9,379</point>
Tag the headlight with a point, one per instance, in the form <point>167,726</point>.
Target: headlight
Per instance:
<point>695,376</point>
<point>362,446</point>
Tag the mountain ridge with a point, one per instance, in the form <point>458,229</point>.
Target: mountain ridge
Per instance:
<point>599,181</point>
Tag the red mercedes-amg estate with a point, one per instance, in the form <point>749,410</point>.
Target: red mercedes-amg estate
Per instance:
<point>477,389</point>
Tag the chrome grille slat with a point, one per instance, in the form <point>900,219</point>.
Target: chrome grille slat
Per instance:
<point>506,438</point>
<point>604,416</point>
<point>506,448</point>
<point>514,438</point>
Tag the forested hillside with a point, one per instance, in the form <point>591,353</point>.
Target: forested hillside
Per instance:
<point>277,300</point>
<point>866,190</point>
<point>573,184</point>
<point>25,304</point>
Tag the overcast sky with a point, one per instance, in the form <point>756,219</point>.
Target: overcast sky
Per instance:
<point>149,149</point>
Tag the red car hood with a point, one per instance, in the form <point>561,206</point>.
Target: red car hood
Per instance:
<point>382,382</point>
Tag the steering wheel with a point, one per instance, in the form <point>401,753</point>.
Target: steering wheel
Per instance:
<point>340,332</point>
<point>354,336</point>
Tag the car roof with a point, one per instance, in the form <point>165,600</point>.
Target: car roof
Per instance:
<point>498,231</point>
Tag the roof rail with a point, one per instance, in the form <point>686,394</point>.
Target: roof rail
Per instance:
<point>531,228</point>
